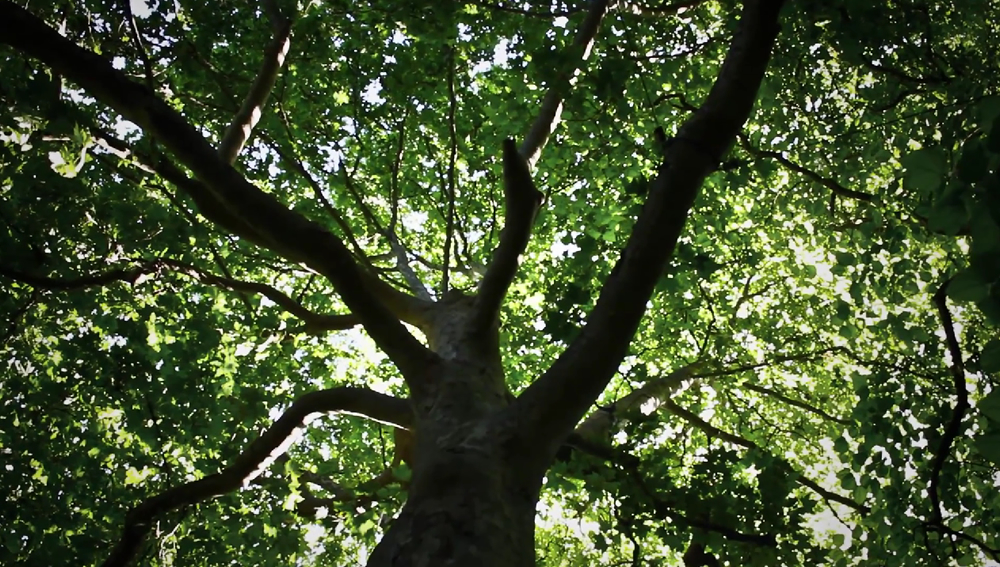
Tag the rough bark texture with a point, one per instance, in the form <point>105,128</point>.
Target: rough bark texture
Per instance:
<point>469,502</point>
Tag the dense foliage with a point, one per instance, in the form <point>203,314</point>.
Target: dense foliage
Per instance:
<point>834,300</point>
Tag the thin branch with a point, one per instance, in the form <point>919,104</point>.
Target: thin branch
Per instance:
<point>277,226</point>
<point>398,250</point>
<point>314,321</point>
<point>522,200</point>
<point>292,160</point>
<point>777,360</point>
<point>449,231</point>
<point>713,431</point>
<point>129,275</point>
<point>394,179</point>
<point>255,458</point>
<point>133,29</point>
<point>551,108</point>
<point>552,405</point>
<point>640,9</point>
<point>994,553</point>
<point>954,428</point>
<point>249,114</point>
<point>793,402</point>
<point>833,186</point>
<point>122,150</point>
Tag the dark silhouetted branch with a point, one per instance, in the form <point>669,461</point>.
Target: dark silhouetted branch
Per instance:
<point>258,456</point>
<point>954,427</point>
<point>833,186</point>
<point>249,208</point>
<point>793,402</point>
<point>553,404</point>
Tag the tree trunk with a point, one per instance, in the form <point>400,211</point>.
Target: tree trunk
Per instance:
<point>472,496</point>
<point>464,509</point>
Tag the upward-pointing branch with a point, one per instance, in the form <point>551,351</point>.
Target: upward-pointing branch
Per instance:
<point>548,115</point>
<point>277,227</point>
<point>521,201</point>
<point>550,407</point>
<point>521,198</point>
<point>247,117</point>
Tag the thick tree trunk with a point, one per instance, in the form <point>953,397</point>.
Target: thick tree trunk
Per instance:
<point>465,509</point>
<point>472,497</point>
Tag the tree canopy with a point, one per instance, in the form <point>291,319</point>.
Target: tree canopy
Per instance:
<point>218,220</point>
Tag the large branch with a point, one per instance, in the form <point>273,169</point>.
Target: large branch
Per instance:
<point>276,225</point>
<point>521,201</point>
<point>548,115</point>
<point>246,118</point>
<point>403,305</point>
<point>550,407</point>
<point>257,457</point>
<point>597,426</point>
<point>521,197</point>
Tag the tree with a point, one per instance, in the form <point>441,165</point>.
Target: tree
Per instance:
<point>734,343</point>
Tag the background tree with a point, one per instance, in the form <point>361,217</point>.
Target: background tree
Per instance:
<point>734,338</point>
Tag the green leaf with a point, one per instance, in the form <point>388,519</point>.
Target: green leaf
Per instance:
<point>974,163</point>
<point>990,405</point>
<point>848,482</point>
<point>988,445</point>
<point>925,170</point>
<point>993,138</point>
<point>968,285</point>
<point>948,219</point>
<point>987,111</point>
<point>990,358</point>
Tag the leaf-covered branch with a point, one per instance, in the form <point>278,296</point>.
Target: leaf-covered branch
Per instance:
<point>275,224</point>
<point>129,275</point>
<point>834,187</point>
<point>665,508</point>
<point>793,402</point>
<point>258,455</point>
<point>562,394</point>
<point>314,322</point>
